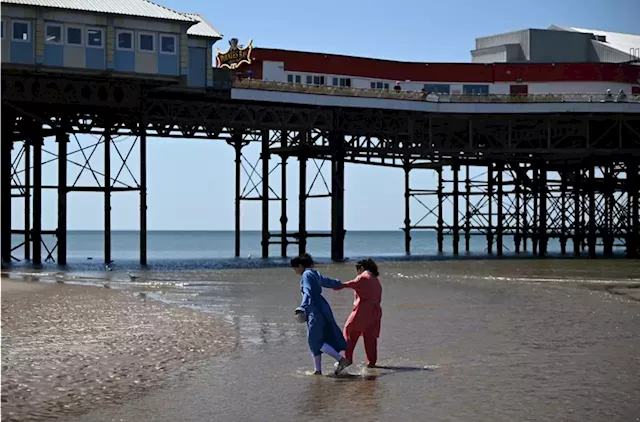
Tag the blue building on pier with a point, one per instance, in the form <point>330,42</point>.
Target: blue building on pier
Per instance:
<point>120,36</point>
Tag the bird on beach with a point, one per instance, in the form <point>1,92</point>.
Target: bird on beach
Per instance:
<point>106,285</point>
<point>132,276</point>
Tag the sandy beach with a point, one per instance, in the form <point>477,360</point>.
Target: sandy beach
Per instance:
<point>67,349</point>
<point>462,340</point>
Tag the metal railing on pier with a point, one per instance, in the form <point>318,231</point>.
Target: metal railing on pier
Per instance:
<point>436,98</point>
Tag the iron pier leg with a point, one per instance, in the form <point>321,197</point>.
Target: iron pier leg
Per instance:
<point>456,193</point>
<point>143,195</point>
<point>107,196</point>
<point>265,194</point>
<point>440,228</point>
<point>490,211</point>
<point>633,194</point>
<point>518,192</point>
<point>5,201</point>
<point>337,197</point>
<point>62,140</point>
<point>283,196</point>
<point>609,206</point>
<point>236,140</point>
<point>577,219</point>
<point>592,212</point>
<point>525,221</point>
<point>499,227</point>
<point>27,200</point>
<point>407,210</point>
<point>542,233</point>
<point>467,223</point>
<point>563,213</point>
<point>302,206</point>
<point>536,220</point>
<point>37,198</point>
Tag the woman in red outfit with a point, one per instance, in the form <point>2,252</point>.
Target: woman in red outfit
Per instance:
<point>367,314</point>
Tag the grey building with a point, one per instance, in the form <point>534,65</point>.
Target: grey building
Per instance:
<point>557,44</point>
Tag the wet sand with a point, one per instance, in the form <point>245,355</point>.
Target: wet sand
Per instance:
<point>461,341</point>
<point>67,349</point>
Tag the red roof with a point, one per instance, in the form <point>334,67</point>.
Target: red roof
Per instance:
<point>332,64</point>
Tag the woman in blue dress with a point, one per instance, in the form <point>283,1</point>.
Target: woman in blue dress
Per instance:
<point>323,333</point>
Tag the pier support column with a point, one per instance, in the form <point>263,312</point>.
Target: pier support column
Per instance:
<point>609,205</point>
<point>499,227</point>
<point>563,212</point>
<point>407,210</point>
<point>27,200</point>
<point>456,197</point>
<point>336,143</point>
<point>265,193</point>
<point>283,198</point>
<point>633,193</point>
<point>62,140</point>
<point>535,184</point>
<point>467,221</point>
<point>36,234</point>
<point>107,195</point>
<point>5,201</point>
<point>302,197</point>
<point>592,212</point>
<point>518,228</point>
<point>490,209</point>
<point>542,226</point>
<point>236,141</point>
<point>440,226</point>
<point>577,219</point>
<point>143,194</point>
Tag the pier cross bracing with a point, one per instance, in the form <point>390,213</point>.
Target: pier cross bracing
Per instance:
<point>525,169</point>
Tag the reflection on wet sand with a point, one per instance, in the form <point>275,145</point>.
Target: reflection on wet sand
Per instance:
<point>322,396</point>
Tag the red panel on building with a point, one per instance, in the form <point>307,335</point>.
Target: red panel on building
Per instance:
<point>330,64</point>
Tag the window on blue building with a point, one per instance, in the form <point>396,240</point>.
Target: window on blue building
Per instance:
<point>168,44</point>
<point>20,31</point>
<point>379,85</point>
<point>124,40</point>
<point>475,89</point>
<point>95,37</point>
<point>437,88</point>
<point>2,34</point>
<point>74,35</point>
<point>146,42</point>
<point>53,33</point>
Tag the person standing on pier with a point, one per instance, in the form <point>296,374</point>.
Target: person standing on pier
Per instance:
<point>323,333</point>
<point>366,316</point>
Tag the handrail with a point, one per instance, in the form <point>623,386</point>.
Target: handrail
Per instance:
<point>422,96</point>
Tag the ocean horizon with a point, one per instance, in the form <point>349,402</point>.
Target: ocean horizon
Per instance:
<point>215,248</point>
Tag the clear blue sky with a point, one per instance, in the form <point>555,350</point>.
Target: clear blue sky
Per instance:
<point>191,183</point>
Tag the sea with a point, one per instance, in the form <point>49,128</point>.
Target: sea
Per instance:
<point>168,250</point>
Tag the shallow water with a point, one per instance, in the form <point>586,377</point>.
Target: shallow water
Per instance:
<point>461,341</point>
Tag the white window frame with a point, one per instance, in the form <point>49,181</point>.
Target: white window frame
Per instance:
<point>13,22</point>
<point>155,41</point>
<point>133,39</point>
<point>95,28</point>
<point>66,35</point>
<point>47,26</point>
<point>175,40</point>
